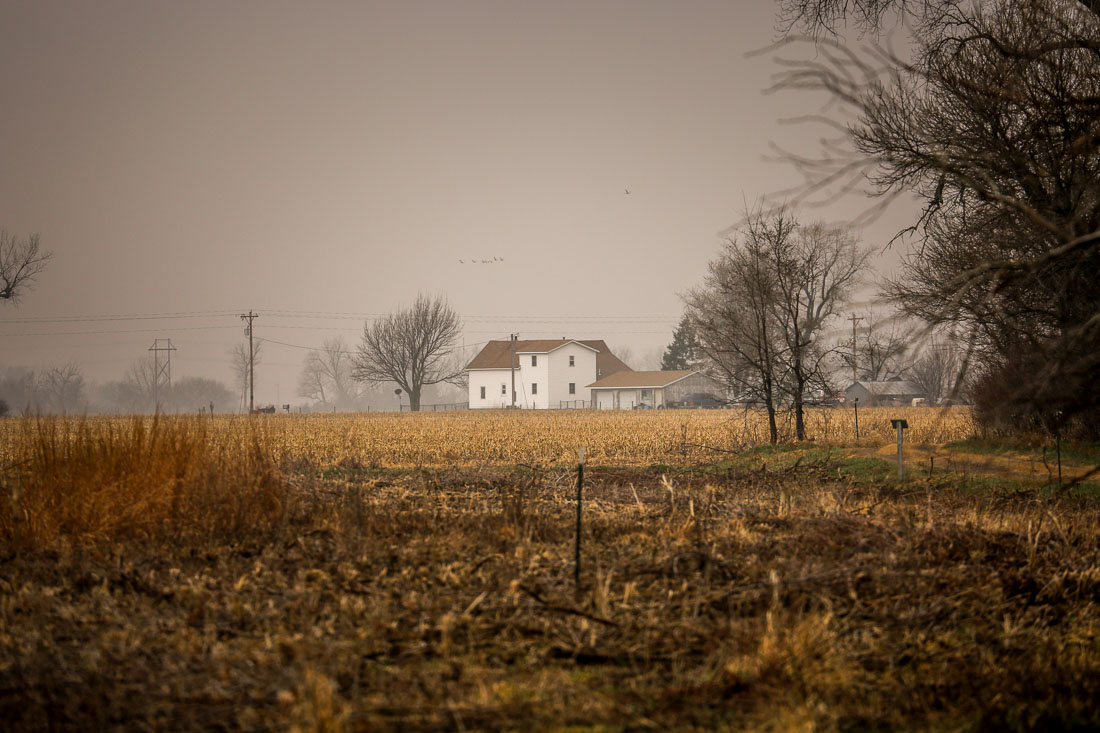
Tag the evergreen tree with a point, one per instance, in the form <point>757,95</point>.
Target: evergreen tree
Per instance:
<point>681,353</point>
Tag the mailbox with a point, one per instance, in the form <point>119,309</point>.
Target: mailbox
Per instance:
<point>899,424</point>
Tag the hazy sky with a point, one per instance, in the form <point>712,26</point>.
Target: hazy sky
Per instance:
<point>303,159</point>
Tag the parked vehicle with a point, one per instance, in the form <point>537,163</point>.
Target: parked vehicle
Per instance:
<point>699,400</point>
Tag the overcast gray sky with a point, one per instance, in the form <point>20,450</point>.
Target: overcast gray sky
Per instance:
<point>308,159</point>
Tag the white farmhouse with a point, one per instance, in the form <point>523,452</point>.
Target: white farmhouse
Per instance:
<point>549,373</point>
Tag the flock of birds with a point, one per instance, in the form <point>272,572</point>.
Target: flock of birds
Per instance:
<point>481,262</point>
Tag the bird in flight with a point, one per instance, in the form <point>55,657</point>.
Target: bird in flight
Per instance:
<point>627,191</point>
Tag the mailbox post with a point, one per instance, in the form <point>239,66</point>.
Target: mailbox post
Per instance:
<point>900,425</point>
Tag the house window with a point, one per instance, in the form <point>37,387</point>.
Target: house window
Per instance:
<point>534,387</point>
<point>534,360</point>
<point>571,360</point>
<point>504,389</point>
<point>646,394</point>
<point>482,393</point>
<point>572,385</point>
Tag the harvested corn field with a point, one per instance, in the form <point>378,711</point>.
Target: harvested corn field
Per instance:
<point>541,438</point>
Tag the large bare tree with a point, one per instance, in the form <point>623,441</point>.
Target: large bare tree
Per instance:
<point>412,347</point>
<point>21,260</point>
<point>993,121</point>
<point>732,314</point>
<point>761,311</point>
<point>815,271</point>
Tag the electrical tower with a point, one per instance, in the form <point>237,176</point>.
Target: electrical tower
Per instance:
<point>250,316</point>
<point>162,371</point>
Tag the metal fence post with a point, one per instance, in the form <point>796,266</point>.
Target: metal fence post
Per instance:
<point>900,425</point>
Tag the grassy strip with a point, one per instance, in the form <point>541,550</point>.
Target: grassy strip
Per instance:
<point>1083,454</point>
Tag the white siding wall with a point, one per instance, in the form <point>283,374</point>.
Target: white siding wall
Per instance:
<point>582,373</point>
<point>621,398</point>
<point>490,379</point>
<point>538,374</point>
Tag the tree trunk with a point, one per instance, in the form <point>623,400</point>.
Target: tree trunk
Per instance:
<point>799,391</point>
<point>799,420</point>
<point>414,400</point>
<point>769,403</point>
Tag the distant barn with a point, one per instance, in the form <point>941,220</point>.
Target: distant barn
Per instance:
<point>893,392</point>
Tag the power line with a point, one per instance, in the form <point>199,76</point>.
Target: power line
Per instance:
<point>129,330</point>
<point>117,317</point>
<point>336,315</point>
<point>352,353</point>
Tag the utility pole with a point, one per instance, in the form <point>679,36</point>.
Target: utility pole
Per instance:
<point>250,316</point>
<point>161,371</point>
<point>855,372</point>
<point>514,336</point>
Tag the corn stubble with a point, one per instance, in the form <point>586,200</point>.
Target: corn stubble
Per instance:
<point>533,438</point>
<point>425,598</point>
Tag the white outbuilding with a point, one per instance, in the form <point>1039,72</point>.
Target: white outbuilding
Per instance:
<point>657,390</point>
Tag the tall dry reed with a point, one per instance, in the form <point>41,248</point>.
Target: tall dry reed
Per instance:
<point>84,483</point>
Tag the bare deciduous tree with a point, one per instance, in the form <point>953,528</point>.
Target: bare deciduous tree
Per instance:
<point>20,263</point>
<point>239,360</point>
<point>327,375</point>
<point>63,387</point>
<point>814,271</point>
<point>733,315</point>
<point>412,347</point>
<point>882,351</point>
<point>995,125</point>
<point>937,370</point>
<point>134,392</point>
<point>766,300</point>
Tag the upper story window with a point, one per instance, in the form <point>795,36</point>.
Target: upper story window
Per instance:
<point>482,393</point>
<point>572,385</point>
<point>534,360</point>
<point>504,389</point>
<point>571,358</point>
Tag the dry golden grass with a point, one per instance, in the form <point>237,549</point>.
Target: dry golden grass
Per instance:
<point>89,481</point>
<point>551,437</point>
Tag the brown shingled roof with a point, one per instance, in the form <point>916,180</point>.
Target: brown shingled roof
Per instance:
<point>647,380</point>
<point>495,354</point>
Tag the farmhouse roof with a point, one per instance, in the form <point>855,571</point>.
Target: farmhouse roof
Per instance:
<point>644,380</point>
<point>545,346</point>
<point>893,388</point>
<point>495,354</point>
